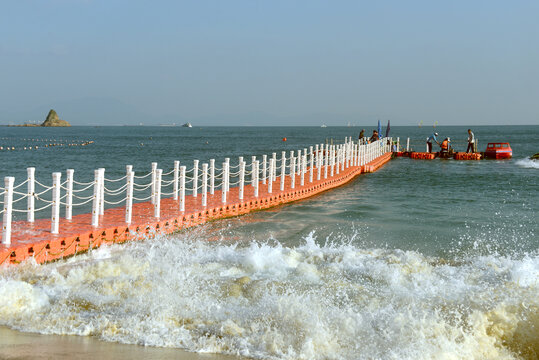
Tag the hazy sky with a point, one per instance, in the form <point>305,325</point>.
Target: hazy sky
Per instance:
<point>270,62</point>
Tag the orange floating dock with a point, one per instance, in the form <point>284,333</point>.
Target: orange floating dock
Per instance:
<point>78,235</point>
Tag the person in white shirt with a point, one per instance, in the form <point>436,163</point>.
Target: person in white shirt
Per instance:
<point>471,141</point>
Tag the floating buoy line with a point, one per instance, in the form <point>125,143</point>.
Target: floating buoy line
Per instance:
<point>47,143</point>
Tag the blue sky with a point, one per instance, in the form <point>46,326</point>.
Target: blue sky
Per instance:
<point>270,62</point>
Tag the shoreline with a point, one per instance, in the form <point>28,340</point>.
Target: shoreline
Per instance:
<point>20,345</point>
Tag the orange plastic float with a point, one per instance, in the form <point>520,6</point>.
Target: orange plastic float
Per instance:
<point>422,155</point>
<point>467,156</point>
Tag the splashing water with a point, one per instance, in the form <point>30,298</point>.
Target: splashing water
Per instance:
<point>268,301</point>
<point>528,163</point>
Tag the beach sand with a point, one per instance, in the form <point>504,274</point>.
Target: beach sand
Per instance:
<point>18,345</point>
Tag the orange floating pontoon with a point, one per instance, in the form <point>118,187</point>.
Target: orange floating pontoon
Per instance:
<point>78,235</point>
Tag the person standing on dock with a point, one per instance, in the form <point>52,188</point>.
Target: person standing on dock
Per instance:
<point>361,134</point>
<point>471,141</point>
<point>430,139</point>
<point>374,137</point>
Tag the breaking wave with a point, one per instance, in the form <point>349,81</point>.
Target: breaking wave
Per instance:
<point>528,163</point>
<point>268,301</point>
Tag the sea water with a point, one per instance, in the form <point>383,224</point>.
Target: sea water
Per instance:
<point>420,260</point>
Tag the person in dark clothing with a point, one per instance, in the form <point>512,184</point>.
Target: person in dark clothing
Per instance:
<point>374,136</point>
<point>361,134</point>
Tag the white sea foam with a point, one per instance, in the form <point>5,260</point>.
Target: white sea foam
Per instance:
<point>528,163</point>
<point>269,301</point>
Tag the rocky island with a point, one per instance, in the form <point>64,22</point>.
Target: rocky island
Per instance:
<point>53,120</point>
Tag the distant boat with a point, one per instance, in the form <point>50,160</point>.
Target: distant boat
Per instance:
<point>323,125</point>
<point>187,125</point>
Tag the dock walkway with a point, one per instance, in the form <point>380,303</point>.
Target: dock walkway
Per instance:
<point>35,239</point>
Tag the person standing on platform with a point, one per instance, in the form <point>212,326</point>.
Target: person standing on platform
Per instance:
<point>430,139</point>
<point>374,137</point>
<point>361,134</point>
<point>471,141</point>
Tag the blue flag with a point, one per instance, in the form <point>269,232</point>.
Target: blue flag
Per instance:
<point>379,128</point>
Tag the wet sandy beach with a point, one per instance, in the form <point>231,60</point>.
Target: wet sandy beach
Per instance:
<point>18,345</point>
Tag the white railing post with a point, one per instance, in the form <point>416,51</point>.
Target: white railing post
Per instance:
<point>182,188</point>
<point>69,194</point>
<point>129,196</point>
<point>427,146</point>
<point>407,144</point>
<point>204,184</point>
<point>352,154</point>
<point>325,154</point>
<point>264,164</point>
<point>31,171</point>
<point>227,182</point>
<point>346,154</point>
<point>317,155</point>
<point>298,170</point>
<point>331,160</point>
<point>102,198</point>
<point>256,178</point>
<point>343,156</point>
<point>311,170</point>
<point>319,158</point>
<point>8,208</point>
<point>302,177</point>
<point>154,172</point>
<point>242,179</point>
<point>274,173</point>
<point>363,154</point>
<point>212,176</point>
<point>195,178</point>
<point>253,160</point>
<point>176,179</point>
<point>55,213</point>
<point>157,205</point>
<point>97,198</point>
<point>293,172</point>
<point>223,184</point>
<point>338,159</point>
<point>270,178</point>
<point>283,170</point>
<point>398,143</point>
<point>305,165</point>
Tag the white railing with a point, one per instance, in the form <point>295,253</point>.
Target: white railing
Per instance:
<point>320,161</point>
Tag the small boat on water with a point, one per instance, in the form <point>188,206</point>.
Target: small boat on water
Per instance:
<point>187,125</point>
<point>323,125</point>
<point>498,151</point>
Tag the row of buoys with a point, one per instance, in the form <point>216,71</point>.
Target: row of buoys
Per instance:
<point>48,140</point>
<point>60,144</point>
<point>11,148</point>
<point>422,155</point>
<point>467,156</point>
<point>23,148</point>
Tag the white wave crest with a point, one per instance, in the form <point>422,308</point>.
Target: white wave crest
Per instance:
<point>269,301</point>
<point>528,163</point>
